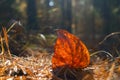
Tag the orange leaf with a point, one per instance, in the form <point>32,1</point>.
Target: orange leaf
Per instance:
<point>69,51</point>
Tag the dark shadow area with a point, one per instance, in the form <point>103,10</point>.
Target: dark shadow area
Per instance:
<point>66,73</point>
<point>110,44</point>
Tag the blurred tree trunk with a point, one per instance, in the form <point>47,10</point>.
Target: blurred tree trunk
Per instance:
<point>66,8</point>
<point>7,12</point>
<point>32,15</point>
<point>47,11</point>
<point>106,13</point>
<point>89,23</point>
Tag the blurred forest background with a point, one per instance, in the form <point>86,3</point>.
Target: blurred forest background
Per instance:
<point>91,20</point>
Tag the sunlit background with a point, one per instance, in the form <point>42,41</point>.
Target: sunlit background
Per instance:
<point>91,20</point>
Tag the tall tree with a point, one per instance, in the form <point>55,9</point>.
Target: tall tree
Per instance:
<point>105,10</point>
<point>7,12</point>
<point>66,22</point>
<point>32,15</point>
<point>47,10</point>
<point>106,13</point>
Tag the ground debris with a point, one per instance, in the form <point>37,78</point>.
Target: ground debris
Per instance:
<point>26,68</point>
<point>39,68</point>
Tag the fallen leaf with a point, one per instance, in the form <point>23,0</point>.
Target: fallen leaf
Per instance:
<point>69,51</point>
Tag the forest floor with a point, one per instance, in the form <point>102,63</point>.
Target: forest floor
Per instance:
<point>38,65</point>
<point>39,68</point>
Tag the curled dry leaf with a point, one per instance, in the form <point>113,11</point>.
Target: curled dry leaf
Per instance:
<point>69,51</point>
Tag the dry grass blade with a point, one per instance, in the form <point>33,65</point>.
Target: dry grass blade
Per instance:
<point>114,33</point>
<point>6,40</point>
<point>11,26</point>
<point>5,36</point>
<point>2,52</point>
<point>97,52</point>
<point>2,45</point>
<point>111,72</point>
